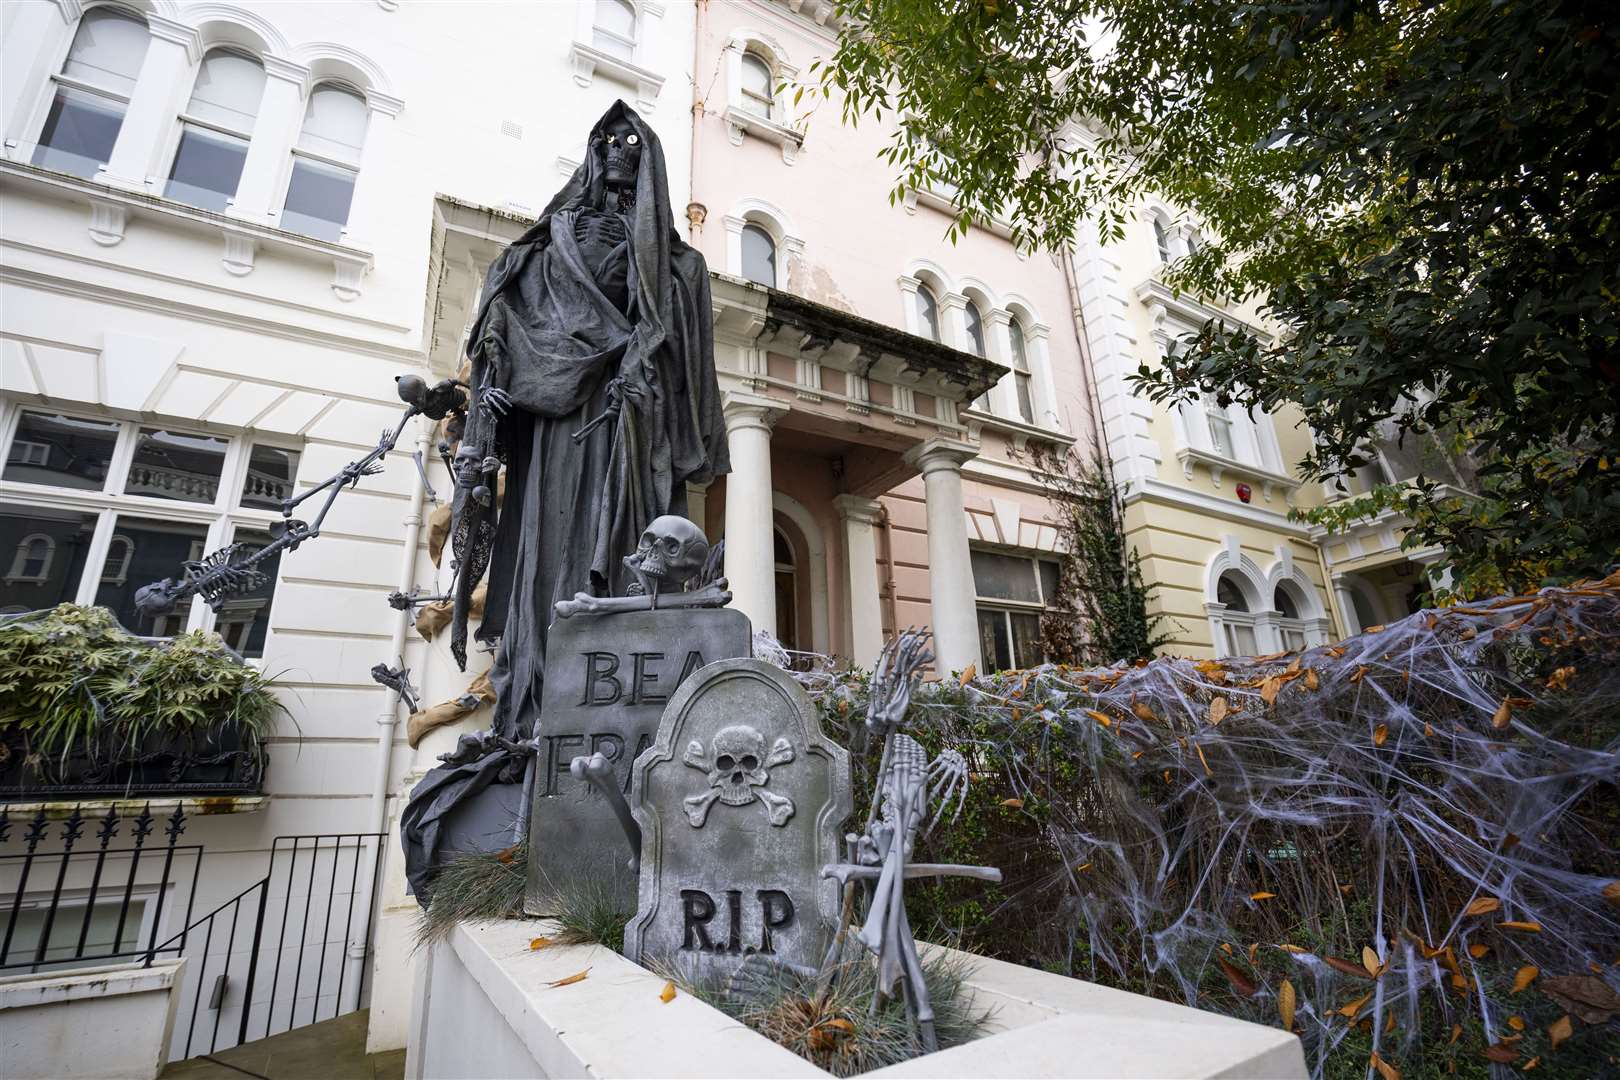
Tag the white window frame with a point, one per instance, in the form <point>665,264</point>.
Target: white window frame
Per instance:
<point>70,912</point>
<point>770,103</point>
<point>19,559</point>
<point>42,104</point>
<point>634,40</point>
<point>296,152</point>
<point>1008,608</point>
<point>223,517</point>
<point>183,119</point>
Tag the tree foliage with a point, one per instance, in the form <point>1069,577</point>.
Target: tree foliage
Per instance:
<point>1424,198</point>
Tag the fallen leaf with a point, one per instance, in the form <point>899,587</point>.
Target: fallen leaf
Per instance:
<point>1265,896</point>
<point>1524,977</point>
<point>966,676</point>
<point>1532,1063</point>
<point>1234,975</point>
<point>1270,689</point>
<point>1254,954</point>
<point>578,976</point>
<point>1226,947</point>
<point>1295,949</point>
<point>1203,760</point>
<point>1082,868</point>
<point>1477,951</point>
<point>1611,893</point>
<point>1587,996</point>
<point>1501,1053</point>
<point>1482,905</point>
<point>1385,1069</point>
<point>1218,708</point>
<point>1311,681</point>
<point>1013,804</point>
<point>1380,733</point>
<point>1345,967</point>
<point>505,857</point>
<point>667,994</point>
<point>1428,731</point>
<point>1143,712</point>
<point>1502,715</point>
<point>1336,651</point>
<point>539,942</point>
<point>1356,675</point>
<point>1373,629</point>
<point>1559,680</point>
<point>1516,1023</point>
<point>1101,717</point>
<point>1286,1003</point>
<point>1456,1033</point>
<point>1560,1029</point>
<point>1355,1006</point>
<point>1370,961</point>
<point>1345,889</point>
<point>1526,927</point>
<point>1389,1021</point>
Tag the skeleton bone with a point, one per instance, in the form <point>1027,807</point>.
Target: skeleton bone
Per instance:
<point>781,754</point>
<point>777,807</point>
<point>697,807</point>
<point>714,595</point>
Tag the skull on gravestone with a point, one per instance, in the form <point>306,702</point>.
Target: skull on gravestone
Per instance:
<point>671,552</point>
<point>739,764</point>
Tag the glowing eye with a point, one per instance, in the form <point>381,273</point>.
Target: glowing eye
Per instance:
<point>611,139</point>
<point>631,140</point>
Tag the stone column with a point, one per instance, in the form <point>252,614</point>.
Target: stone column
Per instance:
<point>370,212</point>
<point>163,85</point>
<point>1003,397</point>
<point>863,599</point>
<point>35,40</point>
<point>1043,390</point>
<point>750,551</point>
<point>281,116</point>
<point>950,567</point>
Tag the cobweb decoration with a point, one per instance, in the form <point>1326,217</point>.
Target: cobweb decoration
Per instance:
<point>1403,846</point>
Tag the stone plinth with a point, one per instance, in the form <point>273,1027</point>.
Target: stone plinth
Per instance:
<point>486,980</point>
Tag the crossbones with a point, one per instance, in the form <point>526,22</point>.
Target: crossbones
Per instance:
<point>738,771</point>
<point>671,553</point>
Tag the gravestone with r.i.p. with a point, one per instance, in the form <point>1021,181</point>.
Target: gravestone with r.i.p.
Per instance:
<point>608,679</point>
<point>741,802</point>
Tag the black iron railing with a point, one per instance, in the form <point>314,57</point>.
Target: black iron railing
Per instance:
<point>39,930</point>
<point>290,949</point>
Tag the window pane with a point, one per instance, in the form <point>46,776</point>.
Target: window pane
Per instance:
<point>1005,577</point>
<point>758,256</point>
<point>1293,639</point>
<point>1285,604</point>
<point>1020,353</point>
<point>787,619</point>
<point>174,465</point>
<point>159,549</point>
<point>69,923</point>
<point>63,451</point>
<point>79,132</point>
<point>1049,580</point>
<point>757,94</point>
<point>975,329</point>
<point>995,646</point>
<point>1231,594</point>
<point>1220,430</point>
<point>1026,403</point>
<point>334,123</point>
<point>1161,238</point>
<point>1240,640</point>
<point>782,550</point>
<point>616,16</point>
<point>207,167</point>
<point>1026,635</point>
<point>107,50</point>
<point>42,553</point>
<point>229,86</point>
<point>927,313</point>
<point>245,619</point>
<point>318,199</point>
<point>270,475</point>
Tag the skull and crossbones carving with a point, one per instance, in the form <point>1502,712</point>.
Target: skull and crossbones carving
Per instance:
<point>671,552</point>
<point>738,771</point>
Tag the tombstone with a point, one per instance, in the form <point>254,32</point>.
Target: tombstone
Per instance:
<point>608,679</point>
<point>741,802</point>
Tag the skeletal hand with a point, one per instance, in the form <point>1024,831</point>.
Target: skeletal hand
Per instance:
<point>899,669</point>
<point>494,402</point>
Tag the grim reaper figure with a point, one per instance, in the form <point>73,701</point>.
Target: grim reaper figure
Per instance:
<point>593,383</point>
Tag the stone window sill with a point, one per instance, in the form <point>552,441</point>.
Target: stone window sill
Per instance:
<point>740,123</point>
<point>1218,466</point>
<point>589,61</point>
<point>1017,431</point>
<point>945,203</point>
<point>111,209</point>
<point>160,805</point>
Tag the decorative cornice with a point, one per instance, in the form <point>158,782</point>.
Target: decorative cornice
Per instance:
<point>172,30</point>
<point>277,67</point>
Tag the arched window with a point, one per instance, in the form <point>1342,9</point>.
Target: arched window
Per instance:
<point>758,93</point>
<point>32,560</point>
<point>92,92</point>
<point>119,551</point>
<point>927,313</point>
<point>1020,370</point>
<point>758,255</point>
<point>1291,628</point>
<point>615,28</point>
<point>1161,238</point>
<point>1235,630</point>
<point>975,328</point>
<point>787,593</point>
<point>218,122</point>
<point>326,162</point>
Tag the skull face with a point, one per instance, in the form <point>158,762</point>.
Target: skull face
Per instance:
<point>621,153</point>
<point>671,552</point>
<point>739,764</point>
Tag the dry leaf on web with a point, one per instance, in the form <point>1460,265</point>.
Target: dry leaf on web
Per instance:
<point>1311,681</point>
<point>1456,1033</point>
<point>505,857</point>
<point>1234,975</point>
<point>1266,896</point>
<point>1295,949</point>
<point>1385,1069</point>
<point>1524,977</point>
<point>1345,967</point>
<point>1355,1006</point>
<point>1270,689</point>
<point>1380,733</point>
<point>1101,717</point>
<point>1477,951</point>
<point>966,676</point>
<point>1013,804</point>
<point>578,976</point>
<point>1218,708</point>
<point>1356,675</point>
<point>1611,893</point>
<point>1203,760</point>
<point>1286,1002</point>
<point>1559,1030</point>
<point>539,942</point>
<point>1503,714</point>
<point>1143,712</point>
<point>1501,1053</point>
<point>1516,1023</point>
<point>667,994</point>
<point>1482,905</point>
<point>1370,961</point>
<point>1522,927</point>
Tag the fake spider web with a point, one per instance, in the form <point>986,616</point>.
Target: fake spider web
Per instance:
<point>1405,844</point>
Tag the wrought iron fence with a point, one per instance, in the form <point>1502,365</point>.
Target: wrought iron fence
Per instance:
<point>288,950</point>
<point>39,932</point>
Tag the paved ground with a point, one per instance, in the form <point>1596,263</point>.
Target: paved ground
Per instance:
<point>330,1050</point>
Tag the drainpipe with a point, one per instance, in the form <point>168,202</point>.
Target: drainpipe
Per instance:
<point>389,717</point>
<point>889,586</point>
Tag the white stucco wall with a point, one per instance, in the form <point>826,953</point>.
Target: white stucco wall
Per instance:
<point>110,1022</point>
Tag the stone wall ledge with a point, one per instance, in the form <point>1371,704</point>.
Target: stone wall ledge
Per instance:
<point>484,1007</point>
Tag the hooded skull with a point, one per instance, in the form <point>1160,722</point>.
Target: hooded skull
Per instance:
<point>671,552</point>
